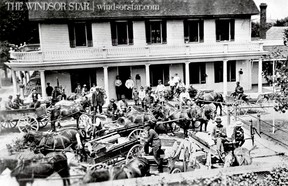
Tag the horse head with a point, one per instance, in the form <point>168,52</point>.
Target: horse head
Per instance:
<point>7,163</point>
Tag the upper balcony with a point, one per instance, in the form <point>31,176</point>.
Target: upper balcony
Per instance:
<point>134,52</point>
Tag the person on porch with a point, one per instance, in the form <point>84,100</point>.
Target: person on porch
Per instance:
<point>49,90</point>
<point>160,89</point>
<point>97,100</point>
<point>35,99</point>
<point>129,85</point>
<point>239,91</point>
<point>78,90</point>
<point>18,102</point>
<point>118,84</point>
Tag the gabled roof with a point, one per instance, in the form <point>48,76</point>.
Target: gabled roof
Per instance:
<point>275,33</point>
<point>166,8</point>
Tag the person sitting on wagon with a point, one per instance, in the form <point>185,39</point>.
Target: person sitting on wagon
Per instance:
<point>238,134</point>
<point>122,105</point>
<point>9,104</point>
<point>18,102</point>
<point>56,95</point>
<point>35,100</point>
<point>112,110</point>
<point>219,135</point>
<point>239,91</point>
<point>153,141</point>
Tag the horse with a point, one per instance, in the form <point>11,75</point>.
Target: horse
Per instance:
<point>136,115</point>
<point>136,167</point>
<point>37,167</point>
<point>210,97</point>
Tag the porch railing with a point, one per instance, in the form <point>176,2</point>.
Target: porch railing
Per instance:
<point>134,51</point>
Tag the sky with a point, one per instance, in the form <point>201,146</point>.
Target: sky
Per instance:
<point>276,9</point>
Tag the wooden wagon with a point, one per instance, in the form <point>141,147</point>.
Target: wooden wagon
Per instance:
<point>25,119</point>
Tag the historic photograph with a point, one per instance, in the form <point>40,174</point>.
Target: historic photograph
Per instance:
<point>144,92</point>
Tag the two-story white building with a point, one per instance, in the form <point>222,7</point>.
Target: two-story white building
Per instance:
<point>206,42</point>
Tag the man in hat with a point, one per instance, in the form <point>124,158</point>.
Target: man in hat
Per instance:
<point>219,135</point>
<point>84,90</point>
<point>153,141</point>
<point>122,105</point>
<point>18,102</point>
<point>35,99</point>
<point>112,109</point>
<point>9,104</point>
<point>49,90</point>
<point>239,91</point>
<point>97,100</point>
<point>56,95</point>
<point>118,84</point>
<point>238,134</point>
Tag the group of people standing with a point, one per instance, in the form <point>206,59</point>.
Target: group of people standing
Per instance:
<point>126,90</point>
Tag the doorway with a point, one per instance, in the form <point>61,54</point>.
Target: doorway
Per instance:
<point>124,74</point>
<point>83,76</point>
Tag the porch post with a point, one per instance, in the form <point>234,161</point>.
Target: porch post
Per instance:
<point>260,75</point>
<point>43,87</point>
<point>187,74</point>
<point>14,81</point>
<point>225,77</point>
<point>105,68</point>
<point>147,75</point>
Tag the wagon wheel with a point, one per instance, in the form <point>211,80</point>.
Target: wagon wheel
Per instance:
<point>135,151</point>
<point>8,124</point>
<point>136,134</point>
<point>28,124</point>
<point>176,170</point>
<point>43,121</point>
<point>84,119</point>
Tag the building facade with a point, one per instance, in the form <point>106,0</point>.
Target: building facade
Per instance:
<point>207,45</point>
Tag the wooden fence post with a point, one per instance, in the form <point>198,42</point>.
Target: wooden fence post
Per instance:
<point>259,123</point>
<point>252,132</point>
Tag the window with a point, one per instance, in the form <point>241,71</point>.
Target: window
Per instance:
<point>156,32</point>
<point>122,33</point>
<point>225,30</point>
<point>193,31</point>
<point>218,71</point>
<point>198,73</point>
<point>80,34</point>
<point>231,71</point>
<point>159,72</point>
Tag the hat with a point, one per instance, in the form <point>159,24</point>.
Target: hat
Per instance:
<point>238,124</point>
<point>112,100</point>
<point>141,87</point>
<point>18,94</point>
<point>218,120</point>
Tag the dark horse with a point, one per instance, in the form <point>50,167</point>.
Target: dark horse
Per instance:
<point>25,171</point>
<point>137,167</point>
<point>211,97</point>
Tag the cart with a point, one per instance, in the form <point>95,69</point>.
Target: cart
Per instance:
<point>26,119</point>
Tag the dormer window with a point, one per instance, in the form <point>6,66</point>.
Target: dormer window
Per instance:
<point>80,34</point>
<point>156,31</point>
<point>193,31</point>
<point>225,29</point>
<point>122,33</point>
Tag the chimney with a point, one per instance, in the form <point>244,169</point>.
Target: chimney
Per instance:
<point>263,7</point>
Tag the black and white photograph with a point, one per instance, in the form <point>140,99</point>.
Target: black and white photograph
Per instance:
<point>144,92</point>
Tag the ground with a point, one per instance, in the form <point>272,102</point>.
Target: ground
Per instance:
<point>266,150</point>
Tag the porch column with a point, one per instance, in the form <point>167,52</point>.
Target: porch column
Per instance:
<point>187,74</point>
<point>43,87</point>
<point>260,75</point>
<point>225,77</point>
<point>105,68</point>
<point>14,81</point>
<point>147,75</point>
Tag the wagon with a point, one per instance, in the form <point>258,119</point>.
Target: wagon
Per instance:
<point>25,119</point>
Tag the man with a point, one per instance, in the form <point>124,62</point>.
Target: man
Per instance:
<point>219,135</point>
<point>153,141</point>
<point>35,100</point>
<point>172,84</point>
<point>9,104</point>
<point>123,105</point>
<point>118,84</point>
<point>184,97</point>
<point>148,100</point>
<point>93,88</point>
<point>18,102</point>
<point>112,109</point>
<point>129,85</point>
<point>49,90</point>
<point>238,134</point>
<point>239,91</point>
<point>160,89</point>
<point>56,95</point>
<point>54,117</point>
<point>97,100</point>
<point>84,90</point>
<point>78,90</point>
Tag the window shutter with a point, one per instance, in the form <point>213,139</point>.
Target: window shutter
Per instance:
<point>71,35</point>
<point>164,32</point>
<point>147,30</point>
<point>89,34</point>
<point>113,34</point>
<point>232,28</point>
<point>201,30</point>
<point>186,35</point>
<point>130,32</point>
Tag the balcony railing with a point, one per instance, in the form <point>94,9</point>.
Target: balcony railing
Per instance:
<point>135,52</point>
